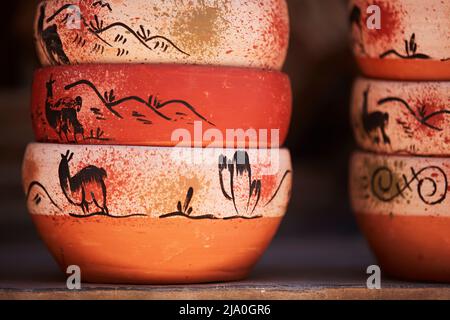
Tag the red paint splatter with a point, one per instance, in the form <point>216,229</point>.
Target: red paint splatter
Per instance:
<point>89,11</point>
<point>269,185</point>
<point>281,28</point>
<point>426,106</point>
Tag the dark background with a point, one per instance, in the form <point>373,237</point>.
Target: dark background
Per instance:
<point>321,68</point>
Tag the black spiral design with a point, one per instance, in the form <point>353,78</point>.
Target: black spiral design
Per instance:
<point>385,189</point>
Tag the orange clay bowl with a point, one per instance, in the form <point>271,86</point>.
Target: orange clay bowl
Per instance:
<point>250,33</point>
<point>402,117</point>
<point>161,105</point>
<point>410,42</point>
<point>403,207</point>
<point>156,215</point>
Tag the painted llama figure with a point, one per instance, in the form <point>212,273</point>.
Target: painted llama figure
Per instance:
<point>62,114</point>
<point>50,41</point>
<point>374,121</point>
<point>85,188</point>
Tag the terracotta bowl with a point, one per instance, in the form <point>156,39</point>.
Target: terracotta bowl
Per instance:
<point>156,215</point>
<point>402,117</point>
<point>230,33</point>
<point>161,105</point>
<point>403,207</point>
<point>410,41</point>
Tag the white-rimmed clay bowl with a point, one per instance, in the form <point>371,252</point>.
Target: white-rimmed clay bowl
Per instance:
<point>227,33</point>
<point>156,215</point>
<point>402,39</point>
<point>403,207</point>
<point>402,117</point>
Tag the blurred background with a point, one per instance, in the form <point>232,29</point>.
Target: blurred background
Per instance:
<point>321,68</point>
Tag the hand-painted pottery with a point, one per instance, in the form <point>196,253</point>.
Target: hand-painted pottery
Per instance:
<point>156,215</point>
<point>161,105</point>
<point>403,207</point>
<point>402,117</point>
<point>249,33</point>
<point>402,39</point>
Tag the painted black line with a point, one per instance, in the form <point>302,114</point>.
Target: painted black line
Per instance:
<point>38,184</point>
<point>97,139</point>
<point>92,86</point>
<point>413,56</point>
<point>187,105</point>
<point>279,187</point>
<point>433,114</point>
<point>242,217</point>
<point>66,6</point>
<point>141,40</point>
<point>205,217</point>
<point>95,34</point>
<point>111,105</point>
<point>102,4</point>
<point>387,189</point>
<point>422,120</point>
<point>97,214</point>
<point>183,215</point>
<point>57,12</point>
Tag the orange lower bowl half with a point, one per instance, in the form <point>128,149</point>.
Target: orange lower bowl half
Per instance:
<point>146,250</point>
<point>410,247</point>
<point>398,69</point>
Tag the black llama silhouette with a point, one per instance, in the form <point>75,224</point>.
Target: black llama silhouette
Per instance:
<point>84,188</point>
<point>51,41</point>
<point>355,19</point>
<point>62,115</point>
<point>355,16</point>
<point>373,121</point>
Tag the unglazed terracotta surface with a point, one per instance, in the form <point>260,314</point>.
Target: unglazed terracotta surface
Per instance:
<point>409,247</point>
<point>402,117</point>
<point>413,42</point>
<point>403,207</point>
<point>231,33</point>
<point>156,104</point>
<point>156,215</point>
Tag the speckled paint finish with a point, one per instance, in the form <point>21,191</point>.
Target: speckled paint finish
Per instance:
<point>232,33</point>
<point>402,117</point>
<point>151,181</point>
<point>146,104</point>
<point>151,215</point>
<point>403,209</point>
<point>412,43</point>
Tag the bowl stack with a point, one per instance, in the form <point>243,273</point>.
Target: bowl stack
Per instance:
<point>399,185</point>
<point>158,128</point>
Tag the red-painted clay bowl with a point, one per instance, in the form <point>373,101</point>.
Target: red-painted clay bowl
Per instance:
<point>403,207</point>
<point>248,33</point>
<point>402,117</point>
<point>156,215</point>
<point>161,105</point>
<point>402,39</point>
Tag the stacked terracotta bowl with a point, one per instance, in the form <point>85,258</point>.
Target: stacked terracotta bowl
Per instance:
<point>400,184</point>
<point>158,127</point>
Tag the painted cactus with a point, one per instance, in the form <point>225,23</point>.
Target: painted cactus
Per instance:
<point>244,191</point>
